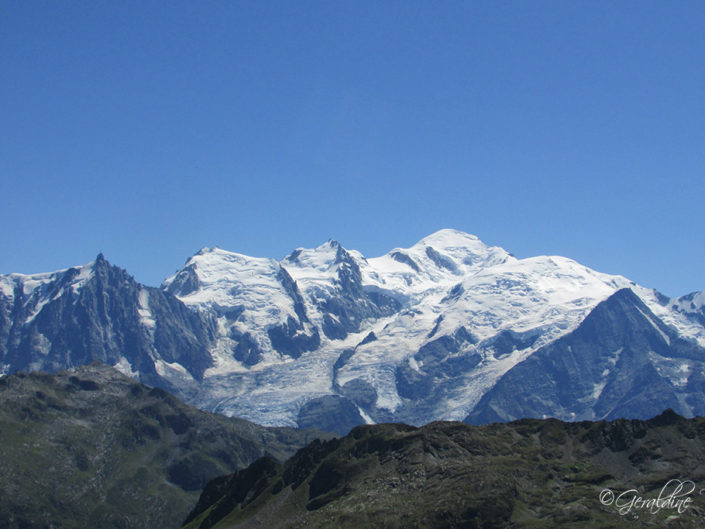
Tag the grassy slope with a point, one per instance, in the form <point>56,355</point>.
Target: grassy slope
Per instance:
<point>93,448</point>
<point>528,474</point>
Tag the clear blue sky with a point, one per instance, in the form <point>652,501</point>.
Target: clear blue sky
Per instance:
<point>147,130</point>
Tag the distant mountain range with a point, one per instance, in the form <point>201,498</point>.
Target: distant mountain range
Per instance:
<point>448,329</point>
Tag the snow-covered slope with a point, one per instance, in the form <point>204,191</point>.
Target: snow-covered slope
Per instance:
<point>255,302</point>
<point>36,290</point>
<point>450,310</point>
<point>621,361</point>
<point>530,302</point>
<point>418,334</point>
<point>434,263</point>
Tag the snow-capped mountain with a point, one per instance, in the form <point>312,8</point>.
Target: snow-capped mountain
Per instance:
<point>620,361</point>
<point>98,312</point>
<point>328,338</point>
<point>256,302</point>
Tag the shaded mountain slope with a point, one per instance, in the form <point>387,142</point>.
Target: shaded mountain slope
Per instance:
<point>621,361</point>
<point>98,312</point>
<point>93,448</point>
<point>529,473</point>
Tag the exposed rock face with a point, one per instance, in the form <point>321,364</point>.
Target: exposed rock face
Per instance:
<point>290,338</point>
<point>528,473</point>
<point>440,363</point>
<point>99,312</point>
<point>622,361</point>
<point>344,304</point>
<point>692,305</point>
<point>330,413</point>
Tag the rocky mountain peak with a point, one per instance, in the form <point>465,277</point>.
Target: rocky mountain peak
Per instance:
<point>286,341</point>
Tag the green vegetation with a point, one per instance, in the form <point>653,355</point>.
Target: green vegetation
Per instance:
<point>93,448</point>
<point>526,474</point>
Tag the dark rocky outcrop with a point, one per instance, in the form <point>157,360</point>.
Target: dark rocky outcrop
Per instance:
<point>525,474</point>
<point>406,259</point>
<point>442,359</point>
<point>330,413</point>
<point>345,311</point>
<point>290,338</point>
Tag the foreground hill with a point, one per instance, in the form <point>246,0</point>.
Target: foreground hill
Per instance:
<point>448,475</point>
<point>93,448</point>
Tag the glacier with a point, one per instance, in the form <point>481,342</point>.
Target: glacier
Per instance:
<point>415,335</point>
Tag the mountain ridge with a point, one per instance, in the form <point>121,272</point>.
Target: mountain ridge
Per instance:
<point>323,328</point>
<point>530,473</point>
<point>91,447</point>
